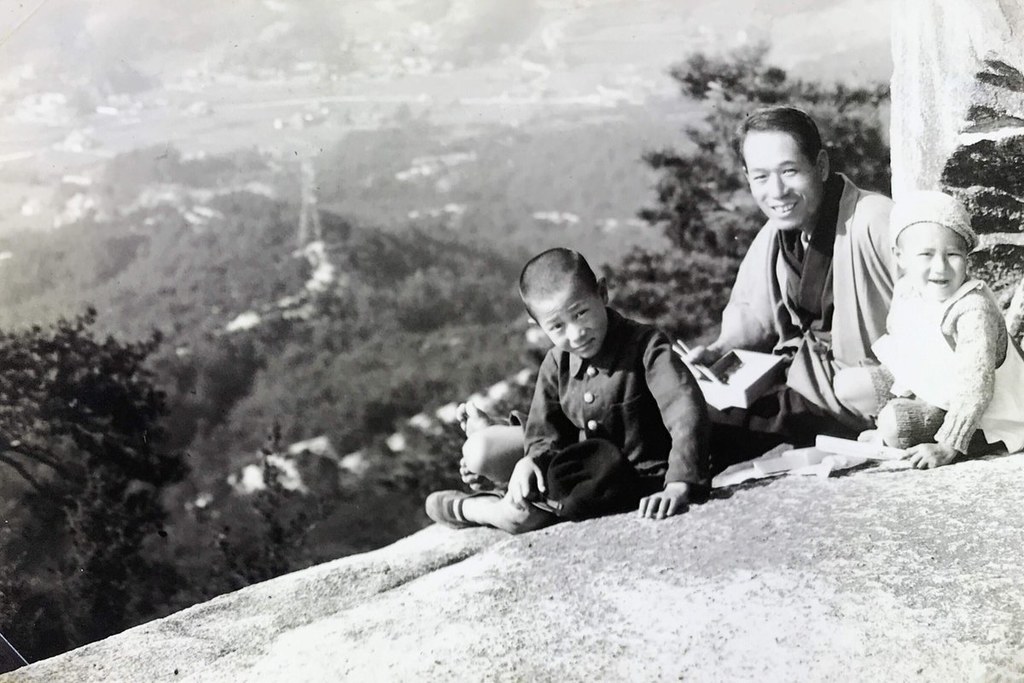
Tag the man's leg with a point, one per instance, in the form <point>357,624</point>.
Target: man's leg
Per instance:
<point>863,389</point>
<point>780,416</point>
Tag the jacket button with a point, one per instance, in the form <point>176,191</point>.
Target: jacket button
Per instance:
<point>592,425</point>
<point>591,370</point>
<point>588,397</point>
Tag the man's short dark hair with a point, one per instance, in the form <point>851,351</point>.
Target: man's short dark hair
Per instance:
<point>550,271</point>
<point>789,120</point>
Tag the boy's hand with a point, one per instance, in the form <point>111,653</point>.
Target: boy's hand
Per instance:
<point>671,501</point>
<point>526,482</point>
<point>930,455</point>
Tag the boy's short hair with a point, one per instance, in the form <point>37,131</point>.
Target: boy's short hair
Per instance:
<point>790,120</point>
<point>550,271</point>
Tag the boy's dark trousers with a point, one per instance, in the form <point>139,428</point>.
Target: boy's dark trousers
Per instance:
<point>593,478</point>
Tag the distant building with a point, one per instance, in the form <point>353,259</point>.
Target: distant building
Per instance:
<point>311,466</point>
<point>318,445</point>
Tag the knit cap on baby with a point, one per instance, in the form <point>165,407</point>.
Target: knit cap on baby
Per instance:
<point>930,206</point>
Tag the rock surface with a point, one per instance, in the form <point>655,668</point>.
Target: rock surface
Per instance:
<point>876,575</point>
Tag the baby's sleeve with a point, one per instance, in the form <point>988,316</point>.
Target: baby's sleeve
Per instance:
<point>979,347</point>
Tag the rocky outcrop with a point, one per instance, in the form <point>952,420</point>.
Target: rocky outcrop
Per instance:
<point>958,120</point>
<point>222,639</point>
<point>876,575</point>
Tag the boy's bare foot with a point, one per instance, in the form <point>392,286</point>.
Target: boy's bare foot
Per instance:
<point>472,419</point>
<point>476,482</point>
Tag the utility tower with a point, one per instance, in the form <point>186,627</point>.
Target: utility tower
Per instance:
<point>309,214</point>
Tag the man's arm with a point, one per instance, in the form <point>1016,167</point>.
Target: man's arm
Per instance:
<point>875,210</point>
<point>749,319</point>
<point>863,279</point>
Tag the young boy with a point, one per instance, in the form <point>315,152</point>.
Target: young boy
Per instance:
<point>616,419</point>
<point>949,367</point>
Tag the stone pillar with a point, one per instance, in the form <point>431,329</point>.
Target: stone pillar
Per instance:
<point>958,119</point>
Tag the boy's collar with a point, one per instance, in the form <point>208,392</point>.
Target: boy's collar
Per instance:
<point>608,351</point>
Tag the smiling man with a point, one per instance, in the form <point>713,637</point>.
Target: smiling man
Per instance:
<point>815,285</point>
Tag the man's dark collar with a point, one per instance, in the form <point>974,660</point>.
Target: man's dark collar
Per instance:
<point>823,234</point>
<point>609,350</point>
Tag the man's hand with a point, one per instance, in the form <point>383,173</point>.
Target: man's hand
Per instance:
<point>701,355</point>
<point>526,482</point>
<point>672,501</point>
<point>930,455</point>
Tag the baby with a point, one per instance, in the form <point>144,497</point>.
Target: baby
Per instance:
<point>952,374</point>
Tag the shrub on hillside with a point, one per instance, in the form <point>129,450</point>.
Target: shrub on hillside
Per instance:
<point>269,538</point>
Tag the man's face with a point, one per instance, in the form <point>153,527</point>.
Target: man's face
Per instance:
<point>574,318</point>
<point>786,185</point>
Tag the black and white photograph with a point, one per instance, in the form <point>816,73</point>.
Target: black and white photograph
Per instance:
<point>511,340</point>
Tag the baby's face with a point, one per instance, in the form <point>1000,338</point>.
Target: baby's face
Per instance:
<point>934,258</point>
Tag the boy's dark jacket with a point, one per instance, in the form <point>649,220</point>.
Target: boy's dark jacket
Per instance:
<point>635,393</point>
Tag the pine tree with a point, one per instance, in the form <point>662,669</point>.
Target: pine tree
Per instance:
<point>80,426</point>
